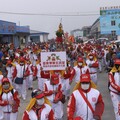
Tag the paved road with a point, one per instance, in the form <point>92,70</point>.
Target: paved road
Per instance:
<point>102,86</point>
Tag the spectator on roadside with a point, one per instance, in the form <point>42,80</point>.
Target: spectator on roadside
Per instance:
<point>118,53</point>
<point>3,69</point>
<point>108,56</point>
<point>1,54</point>
<point>111,62</point>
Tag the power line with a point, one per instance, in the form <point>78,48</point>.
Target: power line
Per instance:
<point>49,14</point>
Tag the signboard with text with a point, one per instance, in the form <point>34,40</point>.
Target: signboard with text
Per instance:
<point>7,27</point>
<point>53,60</point>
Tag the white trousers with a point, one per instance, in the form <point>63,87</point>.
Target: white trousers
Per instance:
<point>1,113</point>
<point>10,116</point>
<point>65,87</point>
<point>100,64</point>
<point>29,81</point>
<point>21,88</point>
<point>94,78</point>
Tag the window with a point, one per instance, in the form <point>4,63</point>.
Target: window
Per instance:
<point>113,33</point>
<point>113,23</point>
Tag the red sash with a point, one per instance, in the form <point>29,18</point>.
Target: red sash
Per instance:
<point>86,100</point>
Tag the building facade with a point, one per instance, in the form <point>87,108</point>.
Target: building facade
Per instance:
<point>37,36</point>
<point>11,33</point>
<point>22,35</point>
<point>95,29</point>
<point>110,21</point>
<point>7,31</point>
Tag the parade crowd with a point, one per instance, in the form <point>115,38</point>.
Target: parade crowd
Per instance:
<point>19,67</point>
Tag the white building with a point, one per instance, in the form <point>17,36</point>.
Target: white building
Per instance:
<point>38,36</point>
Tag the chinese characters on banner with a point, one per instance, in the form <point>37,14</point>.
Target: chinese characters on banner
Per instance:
<point>53,60</point>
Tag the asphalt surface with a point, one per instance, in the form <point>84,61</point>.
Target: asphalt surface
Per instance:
<point>102,87</point>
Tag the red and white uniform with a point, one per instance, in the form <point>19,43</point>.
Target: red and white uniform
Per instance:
<point>21,72</point>
<point>40,82</point>
<point>45,113</point>
<point>100,55</point>
<point>34,70</point>
<point>105,60</point>
<point>33,58</point>
<point>29,77</point>
<point>48,91</point>
<point>5,98</point>
<point>65,82</point>
<point>26,56</point>
<point>42,77</point>
<point>114,87</point>
<point>71,70</point>
<point>1,112</point>
<point>93,66</point>
<point>79,71</point>
<point>10,72</point>
<point>77,105</point>
<point>1,77</point>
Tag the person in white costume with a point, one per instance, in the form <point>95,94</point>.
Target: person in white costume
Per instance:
<point>92,63</point>
<point>10,67</point>
<point>9,100</point>
<point>29,77</point>
<point>39,107</point>
<point>1,112</point>
<point>21,72</point>
<point>53,91</point>
<point>80,69</point>
<point>85,102</point>
<point>114,87</point>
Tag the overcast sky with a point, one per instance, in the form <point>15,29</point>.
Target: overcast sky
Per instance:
<point>55,7</point>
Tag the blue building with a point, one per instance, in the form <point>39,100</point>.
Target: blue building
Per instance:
<point>11,33</point>
<point>110,20</point>
<point>7,31</point>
